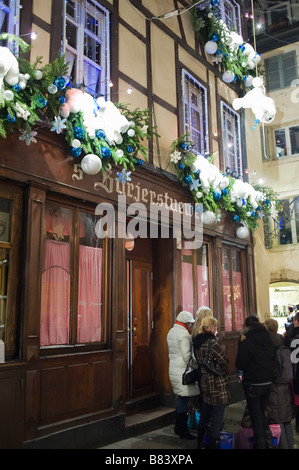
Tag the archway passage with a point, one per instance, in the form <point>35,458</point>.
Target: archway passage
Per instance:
<point>283,295</point>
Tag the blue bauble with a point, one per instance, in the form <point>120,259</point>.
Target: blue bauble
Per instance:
<point>106,152</point>
<point>60,83</point>
<point>214,37</point>
<point>139,162</point>
<point>181,166</point>
<point>183,146</point>
<point>100,134</point>
<point>216,196</point>
<point>78,132</point>
<point>267,201</point>
<point>188,179</point>
<point>75,152</point>
<point>130,149</point>
<point>236,218</point>
<point>259,208</point>
<point>214,3</point>
<point>41,102</point>
<point>61,99</point>
<point>10,118</point>
<point>252,213</point>
<point>224,192</point>
<point>17,88</point>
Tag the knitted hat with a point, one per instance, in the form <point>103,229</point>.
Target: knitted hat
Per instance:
<point>185,317</point>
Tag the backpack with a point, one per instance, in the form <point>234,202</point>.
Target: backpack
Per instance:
<point>283,365</point>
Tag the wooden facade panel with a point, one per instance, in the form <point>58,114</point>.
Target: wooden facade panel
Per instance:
<point>32,404</point>
<point>11,408</point>
<point>78,387</point>
<point>230,346</point>
<point>101,386</point>
<point>53,394</point>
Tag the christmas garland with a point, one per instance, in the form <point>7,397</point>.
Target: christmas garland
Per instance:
<point>215,192</point>
<point>237,59</point>
<point>32,96</point>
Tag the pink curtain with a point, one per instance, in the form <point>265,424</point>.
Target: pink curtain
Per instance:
<point>238,300</point>
<point>187,287</point>
<point>227,301</point>
<point>55,294</point>
<point>90,294</point>
<point>203,287</point>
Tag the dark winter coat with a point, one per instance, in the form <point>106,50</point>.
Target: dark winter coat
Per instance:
<point>214,389</point>
<point>281,405</point>
<point>256,355</point>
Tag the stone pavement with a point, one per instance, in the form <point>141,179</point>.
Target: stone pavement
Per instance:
<point>165,438</point>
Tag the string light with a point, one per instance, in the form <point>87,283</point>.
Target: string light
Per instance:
<point>33,35</point>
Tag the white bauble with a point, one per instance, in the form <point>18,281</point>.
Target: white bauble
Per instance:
<point>211,47</point>
<point>76,143</point>
<point>38,74</point>
<point>208,217</point>
<point>131,132</point>
<point>228,76</point>
<point>91,164</point>
<point>242,232</point>
<point>52,89</point>
<point>8,95</point>
<point>119,153</point>
<point>248,81</point>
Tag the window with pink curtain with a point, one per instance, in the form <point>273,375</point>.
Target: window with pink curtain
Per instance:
<point>90,294</point>
<point>238,291</point>
<point>55,294</point>
<point>58,273</point>
<point>203,285</point>
<point>227,301</point>
<point>187,287</point>
<point>232,290</point>
<point>195,278</point>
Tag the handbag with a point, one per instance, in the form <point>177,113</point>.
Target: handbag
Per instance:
<point>190,376</point>
<point>210,363</point>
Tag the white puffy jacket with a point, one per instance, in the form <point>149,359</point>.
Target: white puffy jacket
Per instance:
<point>179,346</point>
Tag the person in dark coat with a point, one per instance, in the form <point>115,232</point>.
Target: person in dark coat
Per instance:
<point>214,388</point>
<point>256,358</point>
<point>292,341</point>
<point>281,405</point>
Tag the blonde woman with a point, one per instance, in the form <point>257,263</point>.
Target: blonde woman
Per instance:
<point>214,388</point>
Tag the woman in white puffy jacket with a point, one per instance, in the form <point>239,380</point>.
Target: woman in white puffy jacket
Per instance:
<point>179,346</point>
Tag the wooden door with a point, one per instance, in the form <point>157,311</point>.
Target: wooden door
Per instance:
<point>140,327</point>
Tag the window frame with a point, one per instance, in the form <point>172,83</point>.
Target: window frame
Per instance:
<point>12,325</point>
<point>202,111</point>
<point>286,130</point>
<point>234,7</point>
<point>230,248</point>
<point>210,258</point>
<point>227,111</point>
<point>292,221</point>
<point>84,7</point>
<point>13,12</point>
<point>76,209</point>
<point>280,70</point>
<point>271,9</point>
